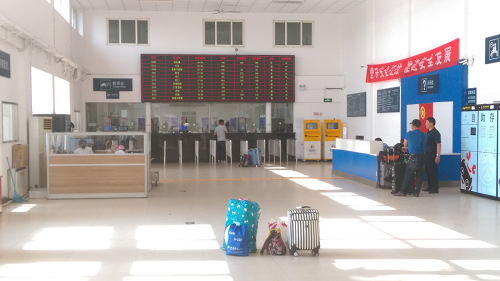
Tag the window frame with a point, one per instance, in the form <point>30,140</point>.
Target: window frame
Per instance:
<point>16,131</point>
<point>286,35</point>
<point>120,32</point>
<point>232,35</point>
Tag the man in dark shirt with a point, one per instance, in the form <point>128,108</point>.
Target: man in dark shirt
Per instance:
<point>433,155</point>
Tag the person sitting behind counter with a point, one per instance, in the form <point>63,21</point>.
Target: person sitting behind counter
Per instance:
<point>120,150</point>
<point>83,148</point>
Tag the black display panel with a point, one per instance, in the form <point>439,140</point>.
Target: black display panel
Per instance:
<point>356,105</point>
<point>184,78</point>
<point>388,100</point>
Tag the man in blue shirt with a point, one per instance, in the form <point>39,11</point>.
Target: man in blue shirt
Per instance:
<point>415,144</point>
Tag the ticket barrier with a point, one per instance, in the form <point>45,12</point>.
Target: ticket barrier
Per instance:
<point>332,130</point>
<point>312,140</point>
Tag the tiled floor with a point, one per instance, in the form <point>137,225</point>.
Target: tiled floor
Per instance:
<point>367,234</point>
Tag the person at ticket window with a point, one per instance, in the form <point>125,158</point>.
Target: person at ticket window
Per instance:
<point>221,131</point>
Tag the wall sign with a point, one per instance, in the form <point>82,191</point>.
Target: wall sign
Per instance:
<point>492,49</point>
<point>327,100</point>
<point>428,84</point>
<point>469,96</point>
<point>108,84</point>
<point>4,64</point>
<point>356,105</point>
<point>112,94</point>
<point>388,100</point>
<point>435,59</point>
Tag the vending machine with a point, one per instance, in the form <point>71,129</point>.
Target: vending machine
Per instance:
<point>332,130</point>
<point>487,150</point>
<point>312,140</point>
<point>468,161</point>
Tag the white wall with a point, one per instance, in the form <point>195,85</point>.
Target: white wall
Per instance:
<point>41,20</point>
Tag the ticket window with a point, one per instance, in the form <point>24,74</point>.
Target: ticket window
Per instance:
<point>332,129</point>
<point>312,140</point>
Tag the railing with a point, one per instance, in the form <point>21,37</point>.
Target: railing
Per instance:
<point>213,152</point>
<point>261,145</point>
<point>275,150</point>
<point>243,148</point>
<point>291,145</point>
<point>197,153</point>
<point>179,143</point>
<point>229,152</point>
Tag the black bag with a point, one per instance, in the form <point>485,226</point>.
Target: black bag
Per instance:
<point>274,245</point>
<point>415,160</point>
<point>245,160</point>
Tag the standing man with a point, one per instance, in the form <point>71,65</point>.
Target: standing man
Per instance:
<point>221,131</point>
<point>432,153</point>
<point>414,143</point>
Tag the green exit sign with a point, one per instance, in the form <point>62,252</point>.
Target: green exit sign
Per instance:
<point>328,100</point>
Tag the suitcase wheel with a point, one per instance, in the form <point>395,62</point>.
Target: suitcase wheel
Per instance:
<point>315,252</point>
<point>296,254</point>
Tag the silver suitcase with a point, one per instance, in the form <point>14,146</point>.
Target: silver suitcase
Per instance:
<point>303,230</point>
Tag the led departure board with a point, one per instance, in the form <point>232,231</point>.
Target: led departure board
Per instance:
<point>184,78</point>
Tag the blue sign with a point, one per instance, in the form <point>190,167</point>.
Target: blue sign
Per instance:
<point>469,97</point>
<point>428,84</point>
<point>4,64</point>
<point>491,49</point>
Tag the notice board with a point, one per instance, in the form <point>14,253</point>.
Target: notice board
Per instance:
<point>388,100</point>
<point>356,105</point>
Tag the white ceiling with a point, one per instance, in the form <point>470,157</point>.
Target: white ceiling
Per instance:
<point>209,6</point>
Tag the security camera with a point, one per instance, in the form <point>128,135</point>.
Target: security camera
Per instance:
<point>463,62</point>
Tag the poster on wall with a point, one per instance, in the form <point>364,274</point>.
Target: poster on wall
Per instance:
<point>4,64</point>
<point>468,161</point>
<point>356,105</point>
<point>487,150</point>
<point>491,50</point>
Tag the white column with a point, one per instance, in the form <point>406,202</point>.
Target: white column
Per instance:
<point>148,117</point>
<point>268,117</point>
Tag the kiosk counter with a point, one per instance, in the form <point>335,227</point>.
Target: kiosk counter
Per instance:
<point>98,165</point>
<point>332,130</point>
<point>357,159</point>
<point>312,139</point>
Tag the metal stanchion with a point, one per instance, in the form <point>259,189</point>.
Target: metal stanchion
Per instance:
<point>243,148</point>
<point>278,142</point>
<point>196,153</point>
<point>229,152</point>
<point>261,145</point>
<point>164,153</point>
<point>291,145</point>
<point>180,152</point>
<point>213,151</point>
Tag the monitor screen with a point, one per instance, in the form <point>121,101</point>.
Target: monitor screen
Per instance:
<point>123,128</point>
<point>311,126</point>
<point>332,126</point>
<point>360,137</point>
<point>108,128</point>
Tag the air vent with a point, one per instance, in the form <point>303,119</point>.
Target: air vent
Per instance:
<point>287,2</point>
<point>47,124</point>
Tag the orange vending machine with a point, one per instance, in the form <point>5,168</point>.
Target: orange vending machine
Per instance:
<point>312,140</point>
<point>332,129</point>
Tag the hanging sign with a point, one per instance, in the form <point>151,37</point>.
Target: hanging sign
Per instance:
<point>435,59</point>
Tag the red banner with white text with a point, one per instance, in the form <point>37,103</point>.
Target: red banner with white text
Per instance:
<point>435,59</point>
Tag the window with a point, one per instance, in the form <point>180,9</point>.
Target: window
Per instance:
<point>49,94</point>
<point>62,6</point>
<point>223,33</point>
<point>74,18</point>
<point>128,31</point>
<point>292,33</point>
<point>9,121</point>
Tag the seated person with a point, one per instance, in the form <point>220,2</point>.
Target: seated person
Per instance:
<point>83,148</point>
<point>120,150</point>
<point>385,146</point>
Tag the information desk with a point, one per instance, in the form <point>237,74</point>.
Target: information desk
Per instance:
<point>172,149</point>
<point>357,158</point>
<point>112,165</point>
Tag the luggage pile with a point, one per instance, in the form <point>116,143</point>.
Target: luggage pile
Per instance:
<point>252,158</point>
<point>242,220</point>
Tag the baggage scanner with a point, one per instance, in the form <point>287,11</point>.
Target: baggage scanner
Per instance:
<point>332,129</point>
<point>312,140</point>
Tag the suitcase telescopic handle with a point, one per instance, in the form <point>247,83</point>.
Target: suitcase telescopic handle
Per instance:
<point>303,207</point>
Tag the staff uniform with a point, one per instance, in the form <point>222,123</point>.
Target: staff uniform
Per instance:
<point>431,169</point>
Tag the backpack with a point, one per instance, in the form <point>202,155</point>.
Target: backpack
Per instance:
<point>245,160</point>
<point>274,245</point>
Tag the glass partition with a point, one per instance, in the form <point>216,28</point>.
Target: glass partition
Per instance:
<point>189,117</point>
<point>98,143</point>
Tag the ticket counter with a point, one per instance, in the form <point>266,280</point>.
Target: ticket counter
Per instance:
<point>332,130</point>
<point>98,165</point>
<point>312,140</point>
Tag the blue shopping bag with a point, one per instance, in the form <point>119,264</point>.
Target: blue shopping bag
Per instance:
<point>237,240</point>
